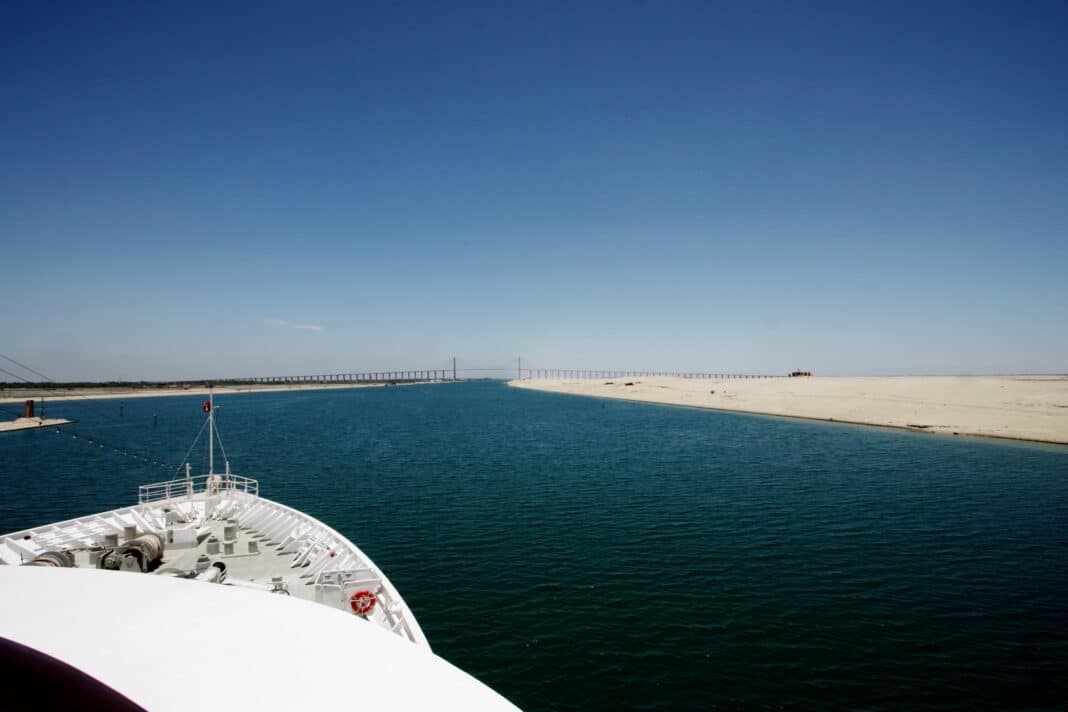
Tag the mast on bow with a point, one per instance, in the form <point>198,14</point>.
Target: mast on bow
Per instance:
<point>211,432</point>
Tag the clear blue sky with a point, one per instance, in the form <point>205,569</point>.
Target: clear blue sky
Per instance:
<point>673,185</point>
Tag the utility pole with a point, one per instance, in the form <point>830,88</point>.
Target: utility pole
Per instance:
<point>520,367</point>
<point>454,368</point>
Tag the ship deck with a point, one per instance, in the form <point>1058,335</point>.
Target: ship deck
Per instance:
<point>255,559</point>
<point>218,530</point>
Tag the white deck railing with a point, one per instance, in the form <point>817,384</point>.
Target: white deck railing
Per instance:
<point>210,484</point>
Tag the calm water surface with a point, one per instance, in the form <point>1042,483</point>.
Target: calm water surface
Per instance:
<point>580,554</point>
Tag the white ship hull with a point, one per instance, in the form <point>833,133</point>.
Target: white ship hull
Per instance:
<point>77,638</point>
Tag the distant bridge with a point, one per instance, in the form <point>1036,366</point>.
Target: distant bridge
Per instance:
<point>456,374</point>
<point>450,372</point>
<point>417,376</point>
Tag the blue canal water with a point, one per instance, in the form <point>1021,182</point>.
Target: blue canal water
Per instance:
<point>575,553</point>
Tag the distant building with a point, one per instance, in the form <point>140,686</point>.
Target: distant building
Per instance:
<point>795,374</point>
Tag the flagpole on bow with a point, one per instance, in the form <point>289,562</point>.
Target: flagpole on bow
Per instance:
<point>211,432</point>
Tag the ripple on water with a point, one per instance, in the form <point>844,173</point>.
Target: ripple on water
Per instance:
<point>580,555</point>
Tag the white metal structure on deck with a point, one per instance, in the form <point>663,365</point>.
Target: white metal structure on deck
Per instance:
<point>263,544</point>
<point>216,528</point>
<point>201,484</point>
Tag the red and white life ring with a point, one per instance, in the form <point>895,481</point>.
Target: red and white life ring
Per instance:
<point>363,602</point>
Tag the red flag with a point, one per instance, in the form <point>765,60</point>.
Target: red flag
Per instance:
<point>206,407</point>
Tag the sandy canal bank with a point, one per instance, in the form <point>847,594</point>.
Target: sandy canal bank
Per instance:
<point>18,395</point>
<point>1016,407</point>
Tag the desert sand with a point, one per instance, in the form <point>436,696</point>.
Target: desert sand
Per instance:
<point>1016,407</point>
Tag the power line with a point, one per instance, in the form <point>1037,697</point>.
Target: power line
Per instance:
<point>16,375</point>
<point>25,367</point>
<point>119,449</point>
<point>88,402</point>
